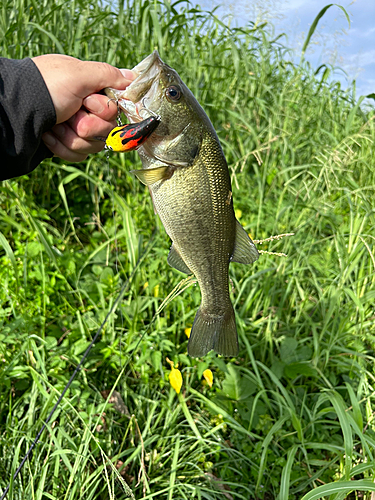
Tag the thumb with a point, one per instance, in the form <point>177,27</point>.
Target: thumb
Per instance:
<point>70,80</point>
<point>94,76</point>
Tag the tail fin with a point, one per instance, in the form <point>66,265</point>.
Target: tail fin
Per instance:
<point>210,331</point>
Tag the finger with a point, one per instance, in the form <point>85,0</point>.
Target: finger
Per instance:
<point>96,76</point>
<point>89,126</point>
<point>101,105</point>
<point>58,149</point>
<point>67,136</point>
<point>65,143</point>
<point>70,80</point>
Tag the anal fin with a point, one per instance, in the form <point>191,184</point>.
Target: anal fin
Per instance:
<point>245,251</point>
<point>175,260</point>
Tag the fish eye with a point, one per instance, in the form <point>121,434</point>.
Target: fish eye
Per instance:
<point>173,93</point>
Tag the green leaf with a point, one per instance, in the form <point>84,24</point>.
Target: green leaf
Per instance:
<point>173,473</point>
<point>288,349</point>
<point>293,370</point>
<point>107,275</point>
<point>156,359</point>
<point>339,487</point>
<point>285,475</point>
<point>201,367</point>
<point>316,21</point>
<point>340,408</point>
<point>266,442</point>
<point>9,252</point>
<point>59,47</point>
<point>237,386</point>
<point>357,415</point>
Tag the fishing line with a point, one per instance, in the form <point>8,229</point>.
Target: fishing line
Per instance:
<point>79,366</point>
<point>112,189</point>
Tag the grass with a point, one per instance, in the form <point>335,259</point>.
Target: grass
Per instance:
<point>292,417</point>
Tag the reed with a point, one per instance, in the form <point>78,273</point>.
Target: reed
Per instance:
<point>292,416</point>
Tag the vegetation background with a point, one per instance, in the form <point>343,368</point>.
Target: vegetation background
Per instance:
<point>293,415</point>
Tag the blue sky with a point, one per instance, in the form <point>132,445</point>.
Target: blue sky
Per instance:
<point>353,49</point>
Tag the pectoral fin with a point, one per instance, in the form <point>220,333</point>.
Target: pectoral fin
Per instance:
<point>149,176</point>
<point>175,260</point>
<point>245,251</point>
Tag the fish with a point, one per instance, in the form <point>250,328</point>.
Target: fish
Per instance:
<point>186,172</point>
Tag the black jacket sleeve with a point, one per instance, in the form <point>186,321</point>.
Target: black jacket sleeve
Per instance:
<point>26,112</point>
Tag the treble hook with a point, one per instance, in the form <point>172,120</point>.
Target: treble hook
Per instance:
<point>149,110</point>
<point>118,117</point>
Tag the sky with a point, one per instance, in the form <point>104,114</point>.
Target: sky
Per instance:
<point>334,42</point>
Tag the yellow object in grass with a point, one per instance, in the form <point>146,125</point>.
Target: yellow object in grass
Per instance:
<point>209,377</point>
<point>187,332</point>
<point>175,377</point>
<point>238,213</point>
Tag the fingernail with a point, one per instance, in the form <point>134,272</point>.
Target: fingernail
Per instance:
<point>92,104</point>
<point>48,139</point>
<point>128,74</point>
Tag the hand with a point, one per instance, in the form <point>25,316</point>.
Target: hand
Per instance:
<point>81,114</point>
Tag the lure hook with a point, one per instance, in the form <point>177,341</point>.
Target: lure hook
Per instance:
<point>118,117</point>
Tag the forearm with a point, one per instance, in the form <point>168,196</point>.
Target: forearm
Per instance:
<point>26,112</point>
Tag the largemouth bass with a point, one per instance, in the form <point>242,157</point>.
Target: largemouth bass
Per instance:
<point>187,174</point>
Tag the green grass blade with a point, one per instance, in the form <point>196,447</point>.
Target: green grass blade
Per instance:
<point>174,468</point>
<point>316,21</point>
<point>10,254</point>
<point>339,406</point>
<point>339,487</point>
<point>285,476</point>
<point>50,35</point>
<point>266,442</point>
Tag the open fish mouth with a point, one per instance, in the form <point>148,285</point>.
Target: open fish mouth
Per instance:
<point>136,101</point>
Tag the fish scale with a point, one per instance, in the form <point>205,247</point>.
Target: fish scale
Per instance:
<point>186,172</point>
<point>215,232</point>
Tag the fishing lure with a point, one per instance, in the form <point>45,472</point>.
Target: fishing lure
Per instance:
<point>130,137</point>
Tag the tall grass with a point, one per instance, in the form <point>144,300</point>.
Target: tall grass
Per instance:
<point>292,416</point>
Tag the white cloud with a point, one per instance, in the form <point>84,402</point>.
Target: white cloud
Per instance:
<point>369,32</point>
<point>356,32</point>
<point>295,4</point>
<point>363,59</point>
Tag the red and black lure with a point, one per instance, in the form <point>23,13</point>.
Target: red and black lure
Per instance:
<point>130,137</point>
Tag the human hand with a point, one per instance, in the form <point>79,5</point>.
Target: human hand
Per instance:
<point>81,114</point>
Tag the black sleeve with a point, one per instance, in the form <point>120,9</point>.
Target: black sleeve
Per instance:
<point>26,112</point>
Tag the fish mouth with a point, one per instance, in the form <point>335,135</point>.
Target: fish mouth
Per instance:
<point>137,100</point>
